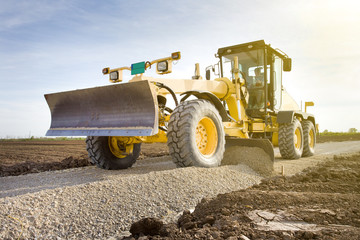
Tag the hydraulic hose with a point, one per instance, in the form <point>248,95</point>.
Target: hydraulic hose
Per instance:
<point>161,85</point>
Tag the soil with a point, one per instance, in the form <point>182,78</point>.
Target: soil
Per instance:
<point>32,156</point>
<point>322,202</point>
<point>23,157</point>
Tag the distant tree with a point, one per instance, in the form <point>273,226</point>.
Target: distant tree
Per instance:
<point>325,131</point>
<point>352,130</point>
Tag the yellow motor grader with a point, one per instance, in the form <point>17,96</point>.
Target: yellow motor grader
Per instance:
<point>245,105</point>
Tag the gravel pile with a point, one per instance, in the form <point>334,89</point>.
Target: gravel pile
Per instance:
<point>253,157</point>
<point>105,209</point>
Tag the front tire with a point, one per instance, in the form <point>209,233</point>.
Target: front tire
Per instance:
<point>291,140</point>
<point>103,154</point>
<point>196,135</point>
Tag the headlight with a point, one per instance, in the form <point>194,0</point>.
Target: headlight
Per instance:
<point>162,66</point>
<point>114,76</point>
<point>105,70</point>
<point>175,55</point>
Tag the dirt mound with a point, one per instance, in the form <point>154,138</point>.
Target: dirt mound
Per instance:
<point>342,175</point>
<point>320,203</point>
<point>23,157</point>
<point>35,167</point>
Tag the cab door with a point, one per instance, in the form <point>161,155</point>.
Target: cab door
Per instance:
<point>276,82</point>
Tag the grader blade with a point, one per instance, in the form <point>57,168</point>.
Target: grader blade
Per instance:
<point>128,109</point>
<point>264,144</point>
<point>258,154</point>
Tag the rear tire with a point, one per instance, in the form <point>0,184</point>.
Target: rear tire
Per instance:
<point>101,154</point>
<point>291,140</point>
<point>196,135</point>
<point>309,138</point>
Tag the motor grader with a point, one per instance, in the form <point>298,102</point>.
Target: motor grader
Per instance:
<point>245,105</point>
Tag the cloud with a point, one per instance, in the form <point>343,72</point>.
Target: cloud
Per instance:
<point>14,14</point>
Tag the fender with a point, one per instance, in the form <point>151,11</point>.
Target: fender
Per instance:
<point>210,97</point>
<point>288,116</point>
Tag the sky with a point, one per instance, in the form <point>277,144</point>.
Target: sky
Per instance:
<point>54,46</point>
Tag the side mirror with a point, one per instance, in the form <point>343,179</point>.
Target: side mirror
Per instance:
<point>207,74</point>
<point>287,64</point>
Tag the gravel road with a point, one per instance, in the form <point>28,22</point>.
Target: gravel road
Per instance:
<point>97,204</point>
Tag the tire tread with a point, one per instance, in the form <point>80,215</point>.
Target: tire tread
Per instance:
<point>307,126</point>
<point>286,140</point>
<point>101,156</point>
<point>179,133</point>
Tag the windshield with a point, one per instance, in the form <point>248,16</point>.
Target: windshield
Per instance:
<point>251,63</point>
<point>248,62</point>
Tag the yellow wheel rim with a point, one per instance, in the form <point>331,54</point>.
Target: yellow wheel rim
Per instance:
<point>297,138</point>
<point>206,136</point>
<point>119,149</point>
<point>311,138</point>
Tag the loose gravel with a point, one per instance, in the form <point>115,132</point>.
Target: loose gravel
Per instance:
<point>91,203</point>
<point>106,208</point>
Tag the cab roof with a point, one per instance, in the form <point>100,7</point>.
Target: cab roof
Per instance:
<point>244,47</point>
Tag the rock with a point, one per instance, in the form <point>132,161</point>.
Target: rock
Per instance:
<point>209,220</point>
<point>168,229</point>
<point>143,238</point>
<point>215,234</point>
<point>286,236</point>
<point>232,238</point>
<point>308,235</point>
<point>243,237</point>
<point>225,212</point>
<point>189,225</point>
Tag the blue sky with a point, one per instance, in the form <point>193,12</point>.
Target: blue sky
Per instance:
<point>51,46</point>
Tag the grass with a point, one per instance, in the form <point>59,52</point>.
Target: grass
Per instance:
<point>337,137</point>
<point>339,133</point>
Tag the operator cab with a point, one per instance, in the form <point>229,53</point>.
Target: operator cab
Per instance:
<point>261,67</point>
